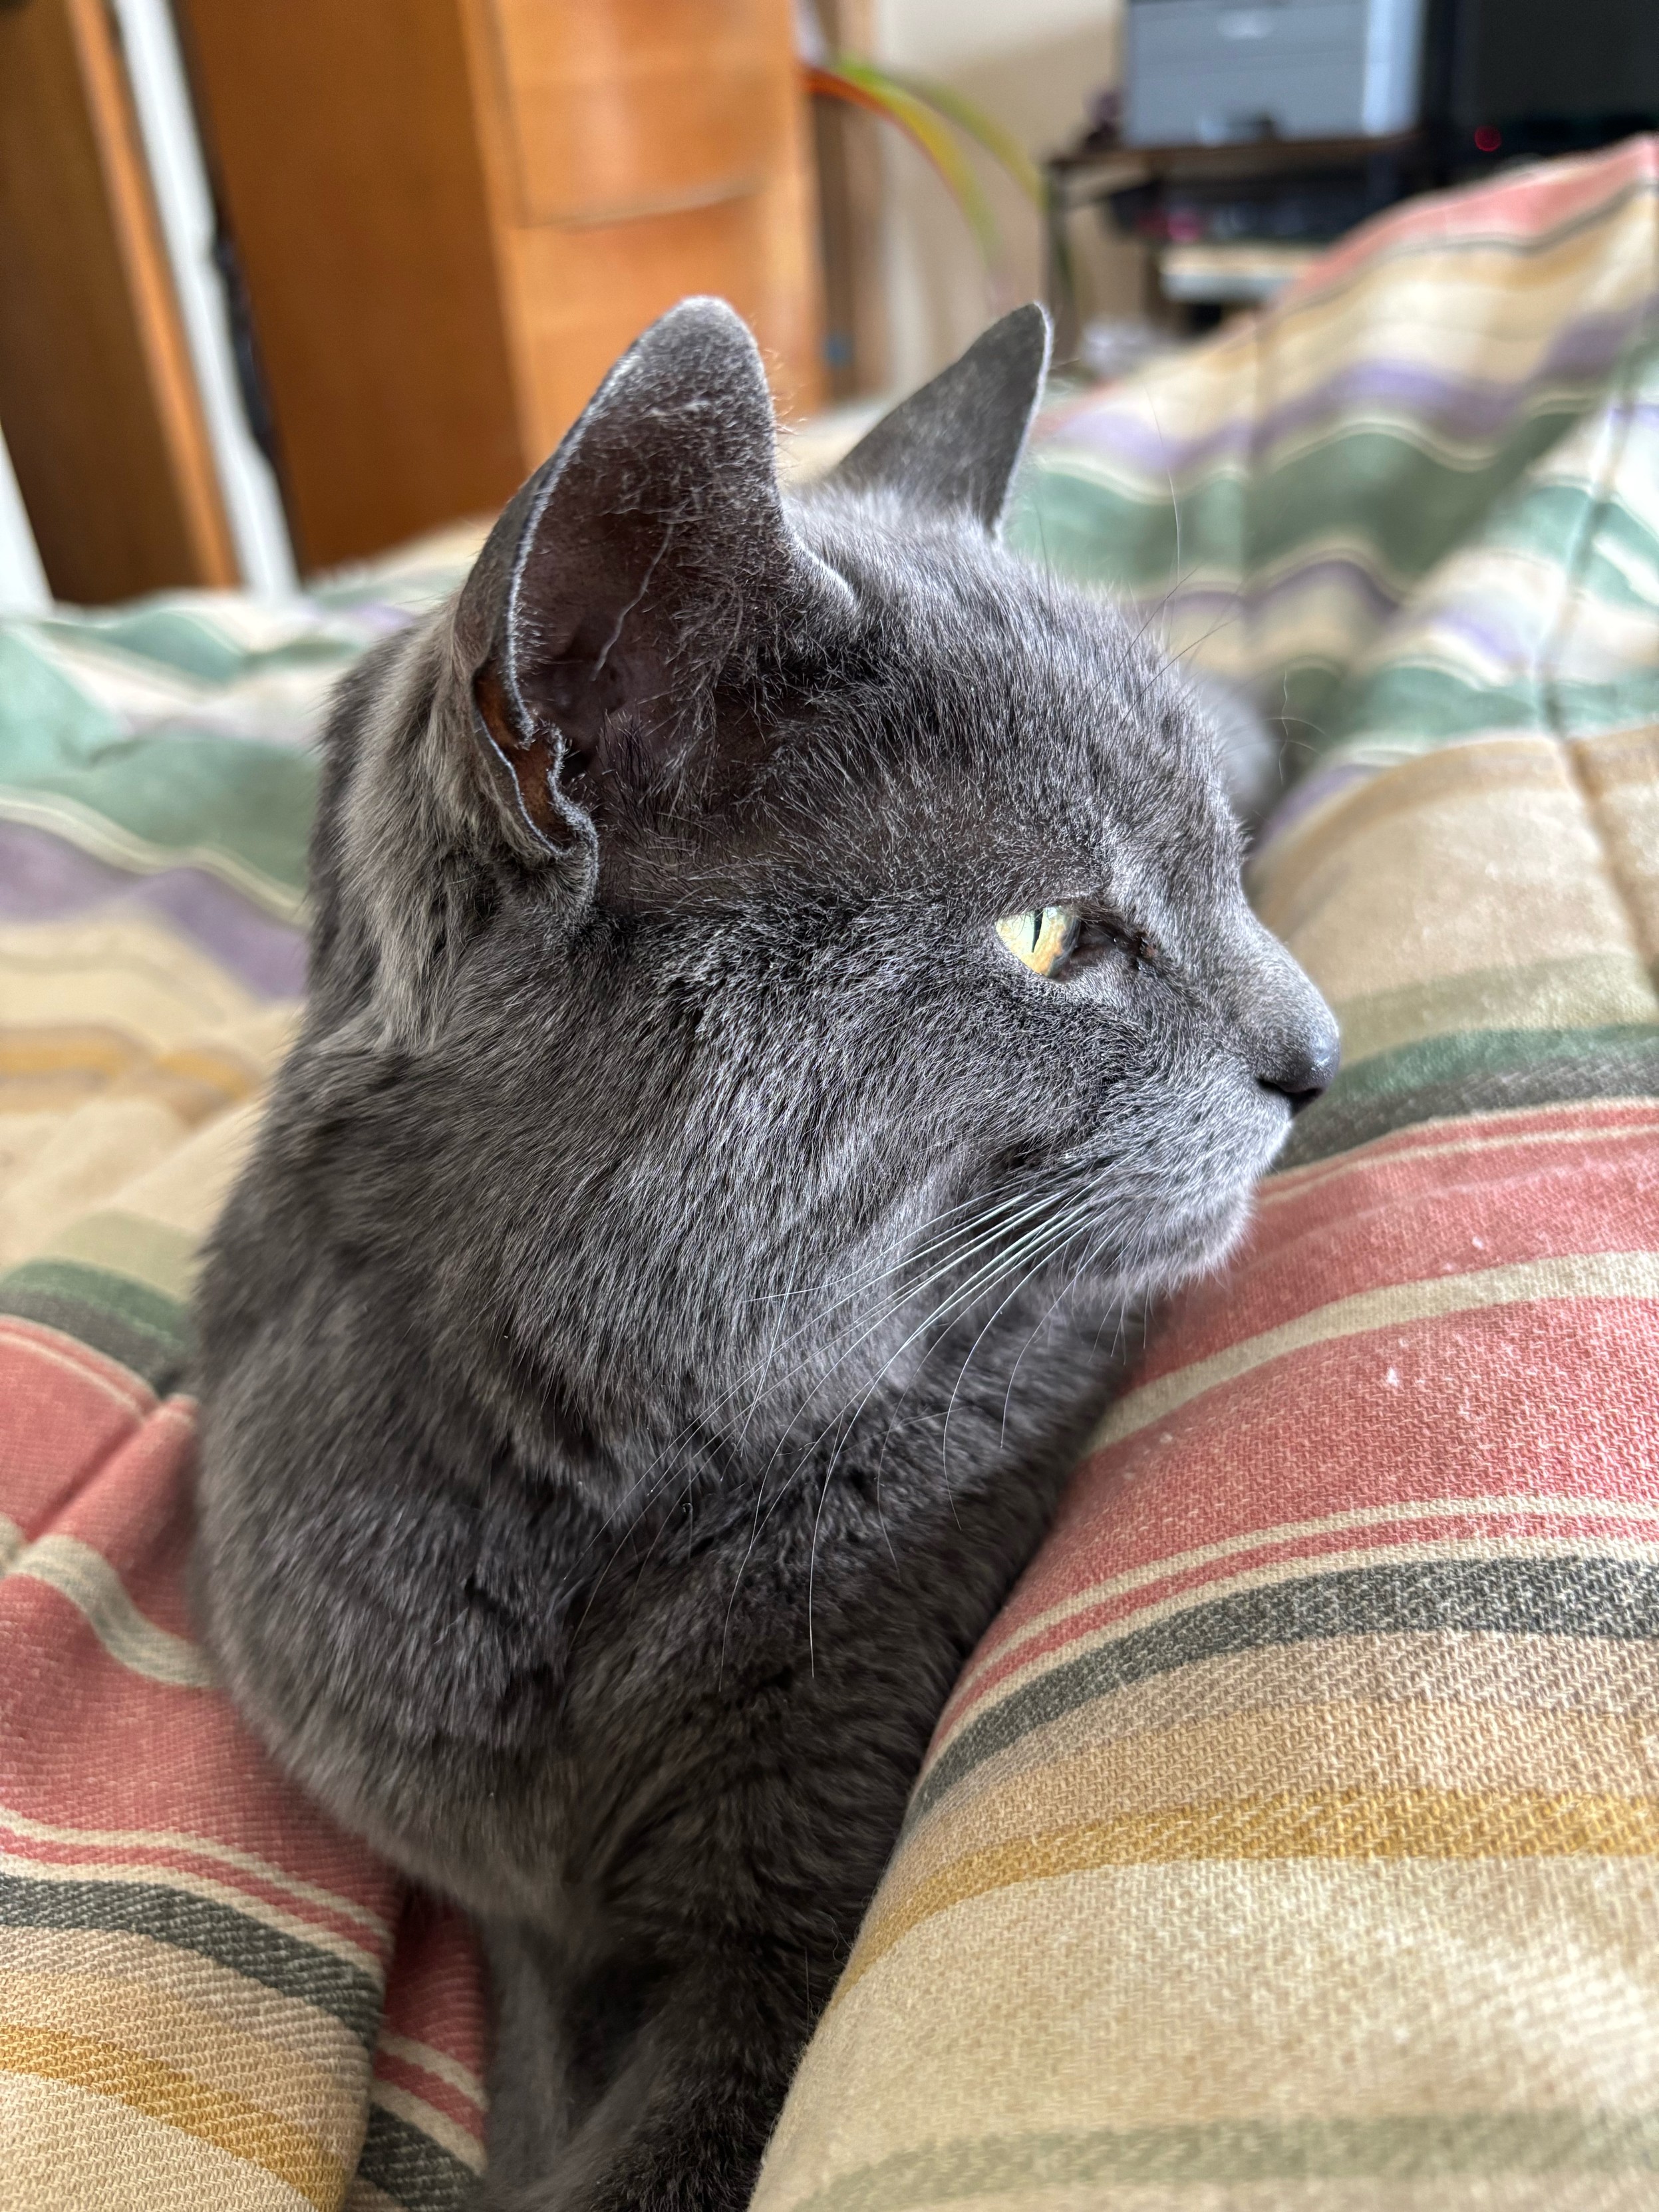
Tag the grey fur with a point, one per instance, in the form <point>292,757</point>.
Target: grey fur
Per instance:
<point>685,1246</point>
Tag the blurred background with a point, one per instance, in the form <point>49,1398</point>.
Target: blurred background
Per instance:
<point>281,286</point>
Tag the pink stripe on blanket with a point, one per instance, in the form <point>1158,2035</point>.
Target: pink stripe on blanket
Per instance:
<point>1320,1403</point>
<point>131,1795</point>
<point>1407,1218</point>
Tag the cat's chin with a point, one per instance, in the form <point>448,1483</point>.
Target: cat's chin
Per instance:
<point>1196,1244</point>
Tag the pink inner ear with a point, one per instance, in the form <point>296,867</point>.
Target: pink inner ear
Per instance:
<point>529,760</point>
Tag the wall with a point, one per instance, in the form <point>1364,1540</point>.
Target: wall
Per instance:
<point>1034,65</point>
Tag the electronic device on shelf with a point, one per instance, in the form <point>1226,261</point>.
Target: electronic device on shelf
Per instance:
<point>1214,73</point>
<point>1484,78</point>
<point>1509,77</point>
<point>1279,125</point>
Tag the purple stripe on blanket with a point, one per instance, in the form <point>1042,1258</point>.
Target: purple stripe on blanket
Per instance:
<point>1330,568</point>
<point>1511,645</point>
<point>1455,407</point>
<point>45,879</point>
<point>1313,790</point>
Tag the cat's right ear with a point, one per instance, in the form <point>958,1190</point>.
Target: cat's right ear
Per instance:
<point>954,445</point>
<point>622,578</point>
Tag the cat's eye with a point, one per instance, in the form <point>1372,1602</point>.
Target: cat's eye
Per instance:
<point>1041,938</point>
<point>1059,942</point>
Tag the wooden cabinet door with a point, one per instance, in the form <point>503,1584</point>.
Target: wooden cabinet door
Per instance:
<point>453,215</point>
<point>343,139</point>
<point>642,150</point>
<point>97,396</point>
<point>624,108</point>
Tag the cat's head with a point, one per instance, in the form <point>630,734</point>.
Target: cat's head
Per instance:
<point>744,891</point>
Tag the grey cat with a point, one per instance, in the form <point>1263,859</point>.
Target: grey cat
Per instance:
<point>781,999</point>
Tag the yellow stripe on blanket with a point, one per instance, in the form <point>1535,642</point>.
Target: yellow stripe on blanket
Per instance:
<point>136,974</point>
<point>231,2123</point>
<point>1321,1824</point>
<point>152,2023</point>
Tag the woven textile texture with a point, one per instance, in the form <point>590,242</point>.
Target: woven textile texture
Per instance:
<point>1415,499</point>
<point>208,1997</point>
<point>1290,1842</point>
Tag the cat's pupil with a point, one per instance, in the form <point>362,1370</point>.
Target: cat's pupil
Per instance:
<point>1040,936</point>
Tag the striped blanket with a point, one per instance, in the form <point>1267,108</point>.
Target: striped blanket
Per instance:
<point>1290,1840</point>
<point>1416,500</point>
<point>208,1997</point>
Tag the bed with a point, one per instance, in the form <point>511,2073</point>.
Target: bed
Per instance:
<point>1290,1840</point>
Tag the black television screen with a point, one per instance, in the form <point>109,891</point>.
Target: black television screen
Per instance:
<point>1516,62</point>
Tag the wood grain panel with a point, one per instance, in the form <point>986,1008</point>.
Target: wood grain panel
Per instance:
<point>788,293</point>
<point>586,294</point>
<point>345,137</point>
<point>632,107</point>
<point>576,294</point>
<point>389,167</point>
<point>99,401</point>
<point>852,190</point>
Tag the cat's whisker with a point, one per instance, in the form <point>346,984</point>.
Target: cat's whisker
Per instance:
<point>980,1200</point>
<point>1077,1274</point>
<point>768,1361</point>
<point>983,1213</point>
<point>1077,1214</point>
<point>939,1312</point>
<point>1048,1242</point>
<point>986,1222</point>
<point>950,1256</point>
<point>967,1290</point>
<point>954,1257</point>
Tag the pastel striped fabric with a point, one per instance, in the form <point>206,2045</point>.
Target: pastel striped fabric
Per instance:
<point>208,1997</point>
<point>175,732</point>
<point>1291,1841</point>
<point>1415,499</point>
<point>157,776</point>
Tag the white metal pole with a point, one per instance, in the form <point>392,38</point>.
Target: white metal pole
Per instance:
<point>161,95</point>
<point>23,589</point>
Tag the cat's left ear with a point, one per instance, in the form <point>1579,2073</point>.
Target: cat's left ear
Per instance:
<point>622,577</point>
<point>954,445</point>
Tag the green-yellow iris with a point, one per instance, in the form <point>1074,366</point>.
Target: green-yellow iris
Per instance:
<point>1039,937</point>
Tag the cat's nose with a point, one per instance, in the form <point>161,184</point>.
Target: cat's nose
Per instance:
<point>1301,1067</point>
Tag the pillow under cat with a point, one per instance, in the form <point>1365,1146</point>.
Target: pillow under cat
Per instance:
<point>780,999</point>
